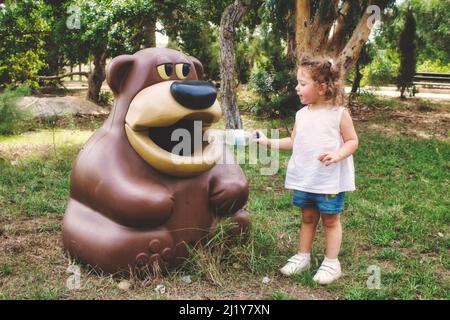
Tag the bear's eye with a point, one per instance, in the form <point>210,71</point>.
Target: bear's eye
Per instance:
<point>165,71</point>
<point>182,70</point>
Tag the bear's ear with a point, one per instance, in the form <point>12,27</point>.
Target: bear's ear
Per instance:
<point>117,71</point>
<point>198,68</point>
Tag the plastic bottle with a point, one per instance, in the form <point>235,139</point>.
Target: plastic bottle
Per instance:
<point>238,137</point>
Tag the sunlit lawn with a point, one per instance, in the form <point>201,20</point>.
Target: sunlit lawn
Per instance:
<point>397,220</point>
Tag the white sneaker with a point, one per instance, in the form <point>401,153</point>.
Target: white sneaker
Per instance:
<point>329,271</point>
<point>296,264</point>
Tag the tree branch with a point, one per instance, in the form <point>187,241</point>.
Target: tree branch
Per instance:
<point>58,77</point>
<point>322,26</point>
<point>352,49</point>
<point>229,21</point>
<point>336,43</point>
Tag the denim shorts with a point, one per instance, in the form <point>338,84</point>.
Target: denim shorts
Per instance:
<point>325,203</point>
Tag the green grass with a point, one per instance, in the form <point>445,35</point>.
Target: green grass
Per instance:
<point>279,295</point>
<point>398,219</point>
<point>35,186</point>
<point>5,270</point>
<point>46,136</point>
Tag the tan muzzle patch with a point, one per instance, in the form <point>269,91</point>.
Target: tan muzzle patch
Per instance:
<point>154,107</point>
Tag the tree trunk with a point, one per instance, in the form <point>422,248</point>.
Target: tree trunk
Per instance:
<point>149,29</point>
<point>229,21</point>
<point>96,78</point>
<point>290,38</point>
<point>303,27</point>
<point>357,80</point>
<point>291,48</point>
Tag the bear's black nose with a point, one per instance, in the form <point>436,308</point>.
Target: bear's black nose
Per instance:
<point>194,94</point>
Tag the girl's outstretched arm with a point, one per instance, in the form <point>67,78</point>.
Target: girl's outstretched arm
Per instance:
<point>280,144</point>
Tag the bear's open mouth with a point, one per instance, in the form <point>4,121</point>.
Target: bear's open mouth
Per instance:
<point>183,138</point>
<point>169,136</point>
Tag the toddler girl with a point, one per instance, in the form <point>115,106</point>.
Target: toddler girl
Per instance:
<point>320,169</point>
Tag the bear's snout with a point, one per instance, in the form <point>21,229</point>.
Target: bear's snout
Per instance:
<point>194,94</point>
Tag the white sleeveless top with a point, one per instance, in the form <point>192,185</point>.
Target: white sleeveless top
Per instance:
<point>318,131</point>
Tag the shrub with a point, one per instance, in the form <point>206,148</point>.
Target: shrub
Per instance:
<point>105,98</point>
<point>276,90</point>
<point>12,119</point>
<point>433,66</point>
<point>382,70</point>
<point>379,72</point>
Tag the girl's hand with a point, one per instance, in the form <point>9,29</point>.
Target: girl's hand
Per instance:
<point>260,137</point>
<point>329,157</point>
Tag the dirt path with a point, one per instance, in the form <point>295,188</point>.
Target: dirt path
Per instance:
<point>438,95</point>
<point>422,122</point>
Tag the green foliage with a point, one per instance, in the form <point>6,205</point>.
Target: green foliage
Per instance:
<point>193,26</point>
<point>203,45</point>
<point>274,76</point>
<point>56,14</point>
<point>245,51</point>
<point>35,37</point>
<point>23,67</point>
<point>22,26</point>
<point>382,70</point>
<point>434,66</point>
<point>12,119</point>
<point>379,73</point>
<point>107,27</point>
<point>433,29</point>
<point>105,98</point>
<point>279,13</point>
<point>261,82</point>
<point>433,33</point>
<point>276,91</point>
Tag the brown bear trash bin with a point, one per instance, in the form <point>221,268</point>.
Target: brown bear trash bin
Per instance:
<point>133,203</point>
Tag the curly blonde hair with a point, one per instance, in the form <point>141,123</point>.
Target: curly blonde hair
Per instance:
<point>324,71</point>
